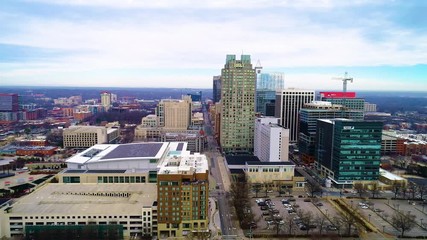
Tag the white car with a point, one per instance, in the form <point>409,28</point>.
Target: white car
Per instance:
<point>364,207</point>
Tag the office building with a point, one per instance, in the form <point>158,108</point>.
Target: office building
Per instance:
<point>348,150</point>
<point>288,104</point>
<point>347,99</point>
<point>238,81</point>
<point>9,102</point>
<point>183,191</point>
<point>87,136</point>
<point>174,113</point>
<point>106,100</point>
<point>309,115</point>
<point>216,89</point>
<point>370,107</point>
<point>267,85</point>
<point>271,141</point>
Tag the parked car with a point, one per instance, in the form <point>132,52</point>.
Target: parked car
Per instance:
<point>264,208</point>
<point>265,213</point>
<point>331,228</point>
<point>319,204</point>
<point>307,200</point>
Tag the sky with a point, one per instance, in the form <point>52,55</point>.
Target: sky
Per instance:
<point>382,44</point>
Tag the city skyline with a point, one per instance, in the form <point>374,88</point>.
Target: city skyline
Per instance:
<point>183,44</point>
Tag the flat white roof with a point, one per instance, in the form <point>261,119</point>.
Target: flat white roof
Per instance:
<point>184,164</point>
<point>87,199</point>
<point>116,152</point>
<point>390,175</point>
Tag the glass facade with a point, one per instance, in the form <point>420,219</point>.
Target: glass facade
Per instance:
<point>351,150</point>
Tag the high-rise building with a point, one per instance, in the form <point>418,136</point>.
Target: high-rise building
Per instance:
<point>267,85</point>
<point>271,141</point>
<point>174,113</point>
<point>288,104</point>
<point>9,102</point>
<point>348,150</point>
<point>216,89</point>
<point>106,100</point>
<point>309,115</point>
<point>347,99</point>
<point>238,80</point>
<point>183,196</point>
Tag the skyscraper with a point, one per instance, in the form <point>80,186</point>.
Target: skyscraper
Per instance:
<point>347,99</point>
<point>216,88</point>
<point>348,150</point>
<point>106,100</point>
<point>174,114</point>
<point>288,103</point>
<point>9,102</point>
<point>266,86</point>
<point>238,81</point>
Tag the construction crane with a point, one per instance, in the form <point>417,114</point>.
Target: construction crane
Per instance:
<point>344,80</point>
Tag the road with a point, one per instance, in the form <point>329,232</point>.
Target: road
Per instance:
<point>217,170</point>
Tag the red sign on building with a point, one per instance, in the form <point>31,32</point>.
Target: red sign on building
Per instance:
<point>337,94</point>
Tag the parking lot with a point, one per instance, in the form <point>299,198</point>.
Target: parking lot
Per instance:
<point>379,212</point>
<point>285,211</point>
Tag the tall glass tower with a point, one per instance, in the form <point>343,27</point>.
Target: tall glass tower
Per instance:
<point>238,81</point>
<point>267,85</point>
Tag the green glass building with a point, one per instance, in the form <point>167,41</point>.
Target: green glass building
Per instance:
<point>348,150</point>
<point>308,117</point>
<point>238,81</point>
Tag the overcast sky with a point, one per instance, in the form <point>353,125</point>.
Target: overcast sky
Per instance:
<point>159,43</point>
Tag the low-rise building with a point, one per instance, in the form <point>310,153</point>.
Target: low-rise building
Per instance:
<point>87,136</point>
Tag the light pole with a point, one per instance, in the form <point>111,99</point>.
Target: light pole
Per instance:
<point>326,212</point>
<point>351,203</point>
<point>421,222</point>
<point>383,228</point>
<point>369,215</point>
<point>250,232</point>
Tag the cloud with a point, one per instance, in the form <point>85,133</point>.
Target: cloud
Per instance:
<point>164,36</point>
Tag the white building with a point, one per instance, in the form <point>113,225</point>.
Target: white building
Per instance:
<point>288,103</point>
<point>271,141</point>
<point>87,136</point>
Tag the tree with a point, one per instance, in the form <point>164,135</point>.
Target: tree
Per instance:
<point>403,221</point>
<point>257,188</point>
<point>321,222</point>
<point>347,219</point>
<point>306,218</point>
<point>312,188</point>
<point>421,190</point>
<point>375,190</point>
<point>396,187</point>
<point>359,188</point>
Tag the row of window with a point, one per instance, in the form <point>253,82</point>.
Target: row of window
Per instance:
<point>121,179</point>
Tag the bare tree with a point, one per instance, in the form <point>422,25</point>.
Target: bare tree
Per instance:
<point>359,188</point>
<point>403,221</point>
<point>257,188</point>
<point>290,225</point>
<point>306,218</point>
<point>396,187</point>
<point>321,221</point>
<point>375,190</point>
<point>421,190</point>
<point>312,188</point>
<point>348,219</point>
<point>412,189</point>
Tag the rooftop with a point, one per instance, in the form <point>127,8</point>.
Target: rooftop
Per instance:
<point>285,163</point>
<point>241,159</point>
<point>184,164</point>
<point>117,152</point>
<point>87,199</point>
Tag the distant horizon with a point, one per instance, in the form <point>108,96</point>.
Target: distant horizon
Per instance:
<point>130,88</point>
